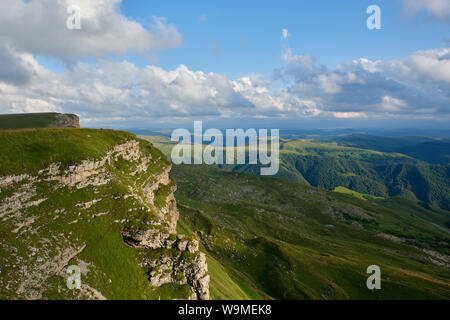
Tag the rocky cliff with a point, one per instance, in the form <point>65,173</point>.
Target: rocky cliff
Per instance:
<point>108,221</point>
<point>65,121</point>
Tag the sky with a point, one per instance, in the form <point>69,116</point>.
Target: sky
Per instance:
<point>291,64</point>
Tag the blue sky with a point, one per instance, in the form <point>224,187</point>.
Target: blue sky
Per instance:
<point>240,37</point>
<point>148,64</point>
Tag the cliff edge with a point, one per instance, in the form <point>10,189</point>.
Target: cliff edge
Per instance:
<point>38,120</point>
<point>90,214</point>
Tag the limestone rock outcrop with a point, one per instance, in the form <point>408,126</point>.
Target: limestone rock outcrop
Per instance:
<point>178,260</point>
<point>181,262</point>
<point>181,267</point>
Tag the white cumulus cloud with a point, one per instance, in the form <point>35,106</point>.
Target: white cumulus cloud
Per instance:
<point>439,9</point>
<point>122,91</point>
<point>39,27</point>
<point>285,34</point>
<point>415,86</point>
<point>418,84</point>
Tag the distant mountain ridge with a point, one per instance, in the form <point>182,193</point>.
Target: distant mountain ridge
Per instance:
<point>38,120</point>
<point>429,149</point>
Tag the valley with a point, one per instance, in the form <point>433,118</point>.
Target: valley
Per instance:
<point>273,239</point>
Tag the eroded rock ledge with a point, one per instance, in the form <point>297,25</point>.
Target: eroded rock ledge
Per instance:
<point>172,259</point>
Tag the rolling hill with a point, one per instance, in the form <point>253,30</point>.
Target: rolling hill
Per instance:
<point>278,239</point>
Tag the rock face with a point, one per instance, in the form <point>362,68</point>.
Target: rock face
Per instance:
<point>180,262</point>
<point>66,121</point>
<point>127,189</point>
<point>172,258</point>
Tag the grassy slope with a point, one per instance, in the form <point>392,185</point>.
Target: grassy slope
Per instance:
<point>271,238</point>
<point>359,195</point>
<point>113,265</point>
<point>222,286</point>
<point>31,150</point>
